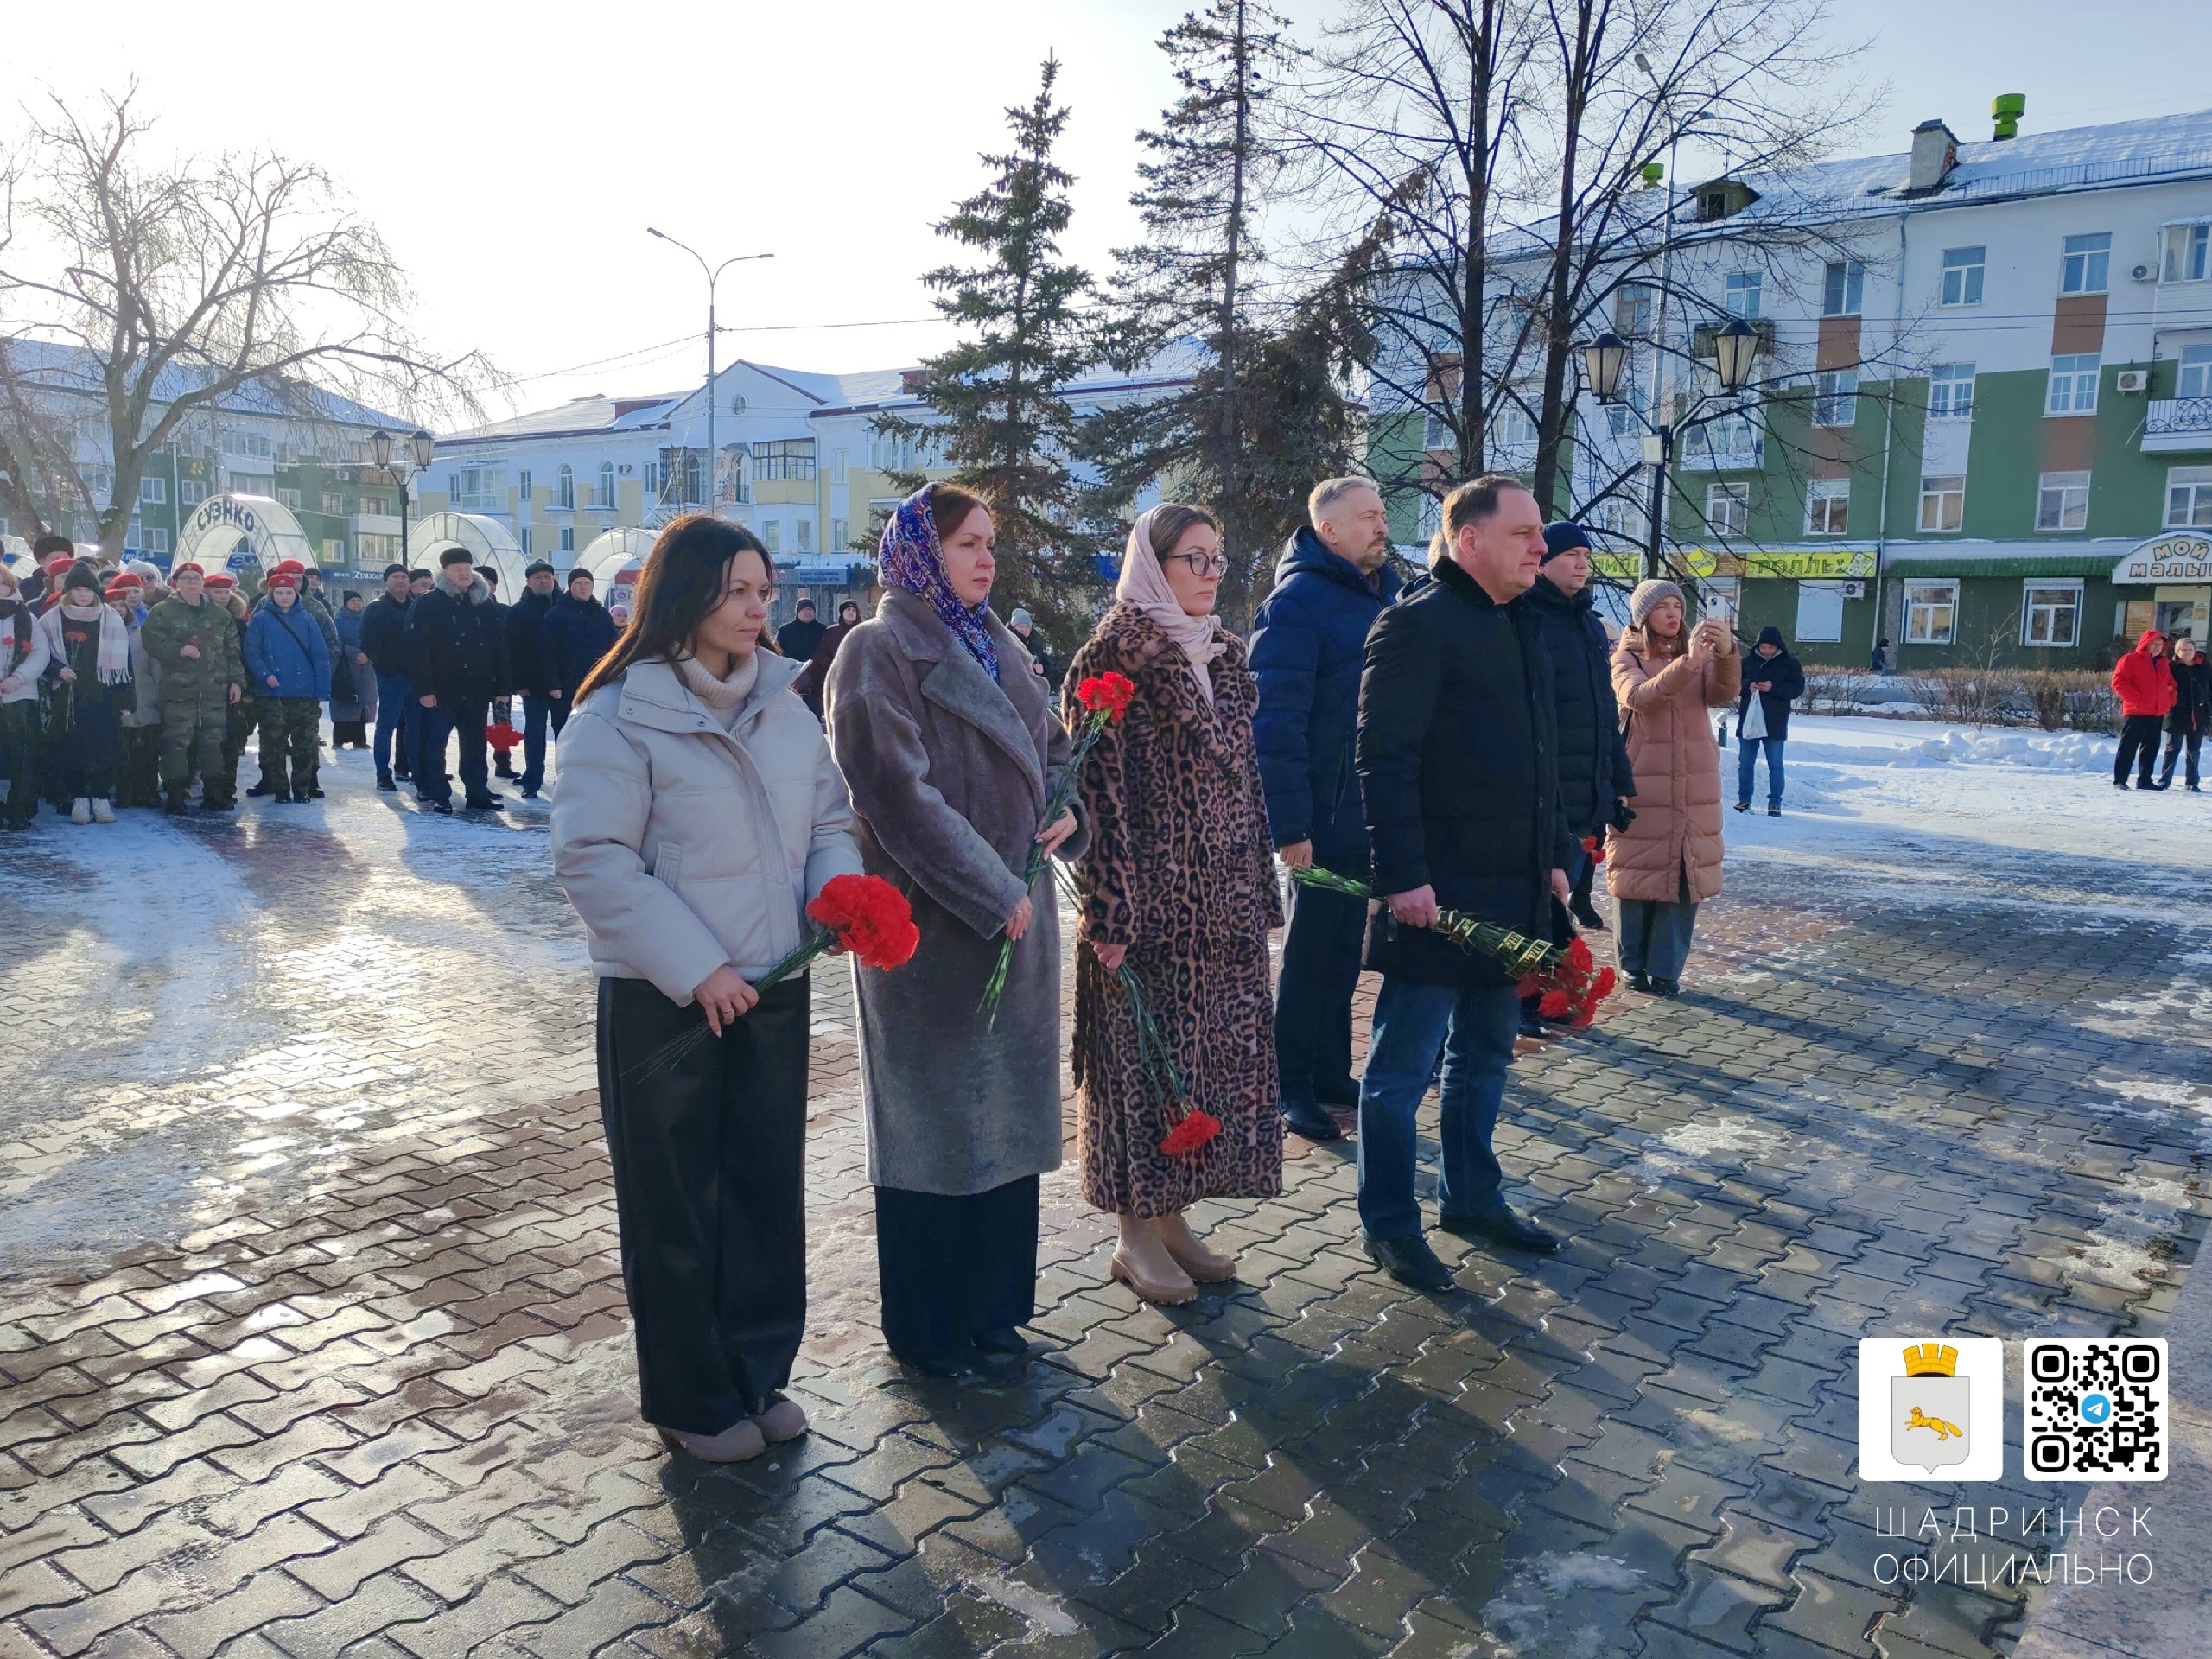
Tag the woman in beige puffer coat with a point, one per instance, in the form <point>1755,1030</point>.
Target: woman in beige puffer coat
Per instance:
<point>1666,676</point>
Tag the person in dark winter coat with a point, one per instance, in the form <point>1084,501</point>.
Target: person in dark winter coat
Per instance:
<point>1309,643</point>
<point>1775,677</point>
<point>2192,712</point>
<point>526,668</point>
<point>1594,775</point>
<point>384,638</point>
<point>577,632</point>
<point>352,682</point>
<point>1458,736</point>
<point>2143,682</point>
<point>1023,628</point>
<point>460,656</point>
<point>814,678</point>
<point>797,638</point>
<point>88,687</point>
<point>290,665</point>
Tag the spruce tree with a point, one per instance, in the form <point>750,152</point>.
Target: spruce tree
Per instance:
<point>1002,425</point>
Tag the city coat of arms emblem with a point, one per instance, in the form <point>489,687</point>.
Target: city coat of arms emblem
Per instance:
<point>1931,1416</point>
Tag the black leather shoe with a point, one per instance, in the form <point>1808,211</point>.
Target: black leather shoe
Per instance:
<point>442,807</point>
<point>385,782</point>
<point>1410,1261</point>
<point>1304,1117</point>
<point>1501,1226</point>
<point>1666,988</point>
<point>260,789</point>
<point>1639,981</point>
<point>484,804</point>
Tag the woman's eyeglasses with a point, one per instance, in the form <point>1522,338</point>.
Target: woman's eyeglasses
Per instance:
<point>1202,565</point>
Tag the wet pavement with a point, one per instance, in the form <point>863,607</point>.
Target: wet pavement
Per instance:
<point>312,1341</point>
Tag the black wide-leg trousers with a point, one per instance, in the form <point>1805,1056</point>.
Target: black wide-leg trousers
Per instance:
<point>955,1266</point>
<point>709,1149</point>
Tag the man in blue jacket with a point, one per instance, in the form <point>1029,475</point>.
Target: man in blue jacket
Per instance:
<point>289,662</point>
<point>1309,643</point>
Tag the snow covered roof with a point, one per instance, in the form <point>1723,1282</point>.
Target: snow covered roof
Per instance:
<point>76,370</point>
<point>595,413</point>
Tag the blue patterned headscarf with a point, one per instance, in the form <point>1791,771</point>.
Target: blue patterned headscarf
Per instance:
<point>912,560</point>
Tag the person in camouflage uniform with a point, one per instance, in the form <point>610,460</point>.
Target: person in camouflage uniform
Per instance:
<point>245,712</point>
<point>194,642</point>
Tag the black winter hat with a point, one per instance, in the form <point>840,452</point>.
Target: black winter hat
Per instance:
<point>579,571</point>
<point>1563,537</point>
<point>537,565</point>
<point>395,570</point>
<point>81,576</point>
<point>1771,635</point>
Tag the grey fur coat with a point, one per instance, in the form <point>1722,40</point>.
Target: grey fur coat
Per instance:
<point>948,774</point>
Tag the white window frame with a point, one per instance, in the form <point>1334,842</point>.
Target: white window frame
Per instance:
<point>1950,391</point>
<point>1728,508</point>
<point>840,459</point>
<point>1821,512</point>
<point>2194,378</point>
<point>564,493</point>
<point>1742,292</point>
<point>839,534</point>
<point>1635,307</point>
<point>1835,397</point>
<point>2187,253</point>
<point>1436,434</point>
<point>288,499</point>
<point>333,550</point>
<point>772,536</point>
<point>603,501</point>
<point>1971,274</point>
<point>157,539</point>
<point>154,491</point>
<point>2073,387</point>
<point>2189,497</point>
<point>191,493</point>
<point>802,537</point>
<point>1942,496</point>
<point>2040,600</point>
<point>1925,603</point>
<point>1819,611</point>
<point>2062,502</point>
<point>334,504</point>
<point>1843,295</point>
<point>2085,264</point>
<point>568,538</point>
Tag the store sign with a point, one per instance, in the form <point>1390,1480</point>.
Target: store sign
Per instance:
<point>1810,566</point>
<point>1629,567</point>
<point>2179,556</point>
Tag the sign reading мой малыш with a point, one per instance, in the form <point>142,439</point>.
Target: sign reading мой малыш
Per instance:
<point>2175,556</point>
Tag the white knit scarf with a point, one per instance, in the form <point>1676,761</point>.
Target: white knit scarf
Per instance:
<point>113,661</point>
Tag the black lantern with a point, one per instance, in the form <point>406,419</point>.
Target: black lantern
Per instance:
<point>425,447</point>
<point>1604,360</point>
<point>380,446</point>
<point>1734,347</point>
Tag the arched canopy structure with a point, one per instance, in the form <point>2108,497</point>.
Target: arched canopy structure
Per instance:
<point>486,541</point>
<point>241,532</point>
<point>613,559</point>
<point>16,554</point>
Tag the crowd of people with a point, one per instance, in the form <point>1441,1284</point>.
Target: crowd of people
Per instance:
<point>2165,688</point>
<point>1475,744</point>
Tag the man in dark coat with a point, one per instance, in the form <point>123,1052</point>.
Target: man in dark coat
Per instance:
<point>1594,779</point>
<point>577,632</point>
<point>460,656</point>
<point>1456,753</point>
<point>1309,642</point>
<point>384,637</point>
<point>527,669</point>
<point>797,638</point>
<point>2187,720</point>
<point>1774,676</point>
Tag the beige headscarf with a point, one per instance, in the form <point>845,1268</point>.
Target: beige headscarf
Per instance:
<point>1144,585</point>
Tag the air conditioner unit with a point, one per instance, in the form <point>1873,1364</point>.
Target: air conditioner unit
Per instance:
<point>1854,590</point>
<point>2132,380</point>
<point>2144,273</point>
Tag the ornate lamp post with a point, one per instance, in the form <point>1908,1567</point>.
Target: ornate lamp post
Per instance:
<point>423,446</point>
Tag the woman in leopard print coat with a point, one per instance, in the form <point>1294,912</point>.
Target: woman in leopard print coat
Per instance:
<point>1179,882</point>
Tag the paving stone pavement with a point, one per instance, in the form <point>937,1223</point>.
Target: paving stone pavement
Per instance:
<point>312,1341</point>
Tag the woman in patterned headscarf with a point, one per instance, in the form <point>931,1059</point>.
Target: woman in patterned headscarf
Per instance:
<point>948,741</point>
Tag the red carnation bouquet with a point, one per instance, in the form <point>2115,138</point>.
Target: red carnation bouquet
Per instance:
<point>863,915</point>
<point>1571,986</point>
<point>1595,848</point>
<point>1105,699</point>
<point>502,736</point>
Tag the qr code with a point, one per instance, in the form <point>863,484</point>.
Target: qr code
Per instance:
<point>2096,1409</point>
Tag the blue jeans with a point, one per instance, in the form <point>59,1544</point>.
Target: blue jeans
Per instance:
<point>396,711</point>
<point>1320,970</point>
<point>1747,764</point>
<point>1474,1029</point>
<point>536,713</point>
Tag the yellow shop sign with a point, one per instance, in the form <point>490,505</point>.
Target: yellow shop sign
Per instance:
<point>1815,567</point>
<point>1629,567</point>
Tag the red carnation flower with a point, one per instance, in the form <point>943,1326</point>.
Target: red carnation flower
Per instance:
<point>1554,1005</point>
<point>1604,986</point>
<point>1595,848</point>
<point>1584,1013</point>
<point>502,736</point>
<point>1194,1131</point>
<point>1578,957</point>
<point>871,918</point>
<point>1107,694</point>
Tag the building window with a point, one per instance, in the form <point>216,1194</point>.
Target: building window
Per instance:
<point>1844,289</point>
<point>191,493</point>
<point>521,483</point>
<point>1633,305</point>
<point>2087,267</point>
<point>2189,497</point>
<point>2062,501</point>
<point>333,551</point>
<point>839,461</point>
<point>1428,517</point>
<point>1435,433</point>
<point>1950,391</point>
<point>772,536</point>
<point>805,536</point>
<point>376,506</point>
<point>838,535</point>
<point>1819,611</point>
<point>564,492</point>
<point>1962,273</point>
<point>568,534</point>
<point>158,540</point>
<point>1728,508</point>
<point>2187,247</point>
<point>1931,612</point>
<point>2073,384</point>
<point>288,499</point>
<point>525,536</point>
<point>2195,377</point>
<point>791,459</point>
<point>2050,613</point>
<point>1827,506</point>
<point>478,489</point>
<point>1743,296</point>
<point>332,504</point>
<point>1943,501</point>
<point>605,499</point>
<point>1835,397</point>
<point>154,490</point>
<point>895,455</point>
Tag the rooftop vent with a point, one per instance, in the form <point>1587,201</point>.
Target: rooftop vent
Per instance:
<point>1934,153</point>
<point>2007,109</point>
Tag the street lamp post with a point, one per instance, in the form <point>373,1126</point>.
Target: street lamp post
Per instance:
<point>423,446</point>
<point>713,274</point>
<point>1735,349</point>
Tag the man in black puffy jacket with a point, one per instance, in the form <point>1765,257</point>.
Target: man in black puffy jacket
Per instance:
<point>524,618</point>
<point>1458,777</point>
<point>577,632</point>
<point>1773,676</point>
<point>384,637</point>
<point>460,653</point>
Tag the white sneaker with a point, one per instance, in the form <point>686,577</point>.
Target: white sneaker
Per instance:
<point>102,812</point>
<point>80,811</point>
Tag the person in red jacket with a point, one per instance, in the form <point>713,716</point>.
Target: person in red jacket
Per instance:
<point>2143,682</point>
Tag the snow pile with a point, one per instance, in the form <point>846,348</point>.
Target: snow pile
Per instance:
<point>2062,752</point>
